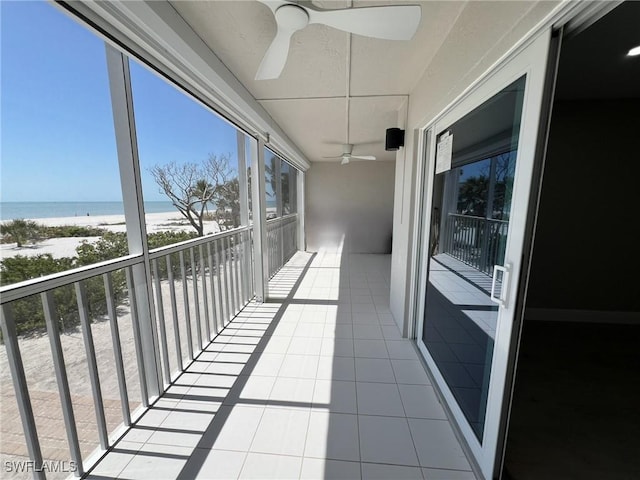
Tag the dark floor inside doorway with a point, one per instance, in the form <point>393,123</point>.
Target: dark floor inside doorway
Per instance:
<point>576,409</point>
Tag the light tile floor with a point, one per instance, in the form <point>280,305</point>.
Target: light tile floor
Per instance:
<point>315,384</point>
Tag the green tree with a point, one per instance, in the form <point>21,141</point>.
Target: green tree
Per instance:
<point>191,186</point>
<point>285,176</point>
<point>228,203</point>
<point>472,196</point>
<point>204,191</point>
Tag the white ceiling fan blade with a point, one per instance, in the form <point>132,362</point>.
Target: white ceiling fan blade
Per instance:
<point>390,22</point>
<point>337,156</point>
<point>276,56</point>
<point>363,157</point>
<point>289,19</point>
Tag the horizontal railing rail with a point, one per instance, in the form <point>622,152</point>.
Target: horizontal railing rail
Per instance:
<point>15,291</point>
<point>284,218</point>
<point>175,247</point>
<point>34,286</point>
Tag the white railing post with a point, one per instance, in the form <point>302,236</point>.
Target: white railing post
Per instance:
<point>137,337</point>
<point>220,289</point>
<point>14,359</point>
<point>62,380</point>
<point>300,209</point>
<point>117,348</point>
<point>196,297</point>
<point>174,312</point>
<point>94,377</point>
<point>205,294</point>
<point>131,183</point>
<point>213,286</point>
<point>258,195</point>
<point>185,306</point>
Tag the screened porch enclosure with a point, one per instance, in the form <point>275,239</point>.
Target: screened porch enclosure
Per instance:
<point>88,348</point>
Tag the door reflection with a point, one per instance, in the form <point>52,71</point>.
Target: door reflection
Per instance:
<point>469,227</point>
<point>460,334</point>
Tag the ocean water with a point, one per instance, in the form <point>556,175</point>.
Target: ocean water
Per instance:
<point>13,210</point>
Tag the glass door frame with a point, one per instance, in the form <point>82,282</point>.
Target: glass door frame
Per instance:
<point>532,62</point>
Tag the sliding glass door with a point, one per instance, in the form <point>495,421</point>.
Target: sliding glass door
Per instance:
<point>476,199</point>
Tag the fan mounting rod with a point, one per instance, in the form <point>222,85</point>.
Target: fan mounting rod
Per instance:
<point>292,17</point>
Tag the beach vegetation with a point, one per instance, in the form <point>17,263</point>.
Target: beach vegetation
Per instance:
<point>28,313</point>
<point>194,187</point>
<point>21,232</point>
<point>111,245</point>
<point>162,239</point>
<point>65,231</point>
<point>28,232</point>
<point>19,268</point>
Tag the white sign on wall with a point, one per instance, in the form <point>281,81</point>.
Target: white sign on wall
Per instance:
<point>444,151</point>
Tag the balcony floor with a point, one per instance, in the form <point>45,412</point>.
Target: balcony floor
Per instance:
<point>315,383</point>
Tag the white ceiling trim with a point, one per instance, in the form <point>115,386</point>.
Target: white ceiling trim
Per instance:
<point>156,30</point>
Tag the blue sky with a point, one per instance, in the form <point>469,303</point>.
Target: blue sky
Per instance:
<point>57,136</point>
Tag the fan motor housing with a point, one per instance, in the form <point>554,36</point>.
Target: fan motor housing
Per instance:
<point>394,139</point>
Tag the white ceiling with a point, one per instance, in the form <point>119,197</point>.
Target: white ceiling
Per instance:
<point>329,71</point>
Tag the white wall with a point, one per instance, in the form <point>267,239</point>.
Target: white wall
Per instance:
<point>467,53</point>
<point>350,203</point>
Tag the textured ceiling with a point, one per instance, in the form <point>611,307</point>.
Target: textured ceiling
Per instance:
<point>335,88</point>
<point>340,88</point>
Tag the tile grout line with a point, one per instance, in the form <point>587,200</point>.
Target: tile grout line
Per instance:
<point>403,406</point>
<point>355,387</point>
<point>306,436</point>
<point>246,454</point>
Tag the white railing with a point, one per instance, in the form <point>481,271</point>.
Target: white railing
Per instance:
<point>219,283</point>
<point>476,241</point>
<point>113,330</point>
<point>281,241</point>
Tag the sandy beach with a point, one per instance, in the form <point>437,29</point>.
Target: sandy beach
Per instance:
<point>66,247</point>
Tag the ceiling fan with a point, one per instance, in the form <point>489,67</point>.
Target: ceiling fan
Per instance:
<point>346,156</point>
<point>389,22</point>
